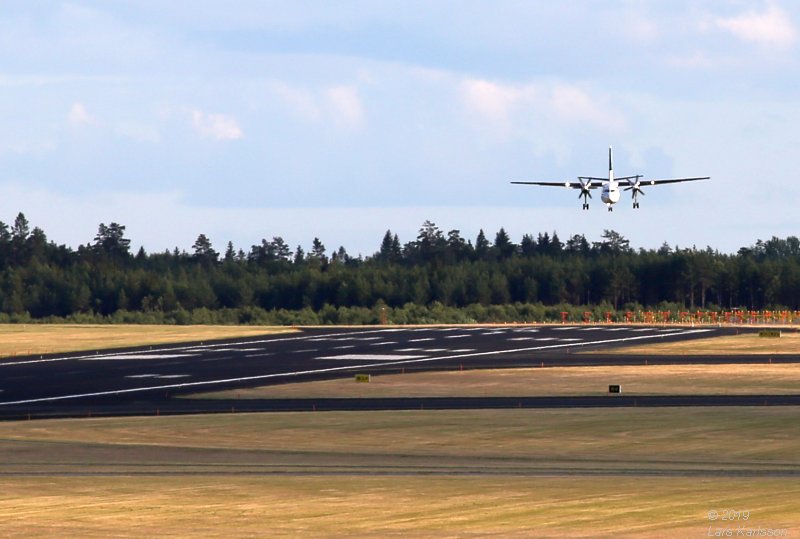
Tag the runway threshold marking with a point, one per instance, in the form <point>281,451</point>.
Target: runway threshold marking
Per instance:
<point>339,369</point>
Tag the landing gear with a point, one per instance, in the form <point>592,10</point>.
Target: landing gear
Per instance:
<point>585,206</point>
<point>636,205</point>
<point>610,207</point>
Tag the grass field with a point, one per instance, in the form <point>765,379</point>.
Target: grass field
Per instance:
<point>757,379</point>
<point>510,473</point>
<point>376,507</point>
<point>27,339</point>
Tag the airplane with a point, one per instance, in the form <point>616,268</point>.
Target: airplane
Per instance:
<point>610,186</point>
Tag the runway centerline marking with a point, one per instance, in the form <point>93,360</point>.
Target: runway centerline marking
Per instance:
<point>343,368</point>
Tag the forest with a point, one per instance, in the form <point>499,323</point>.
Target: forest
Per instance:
<point>436,277</point>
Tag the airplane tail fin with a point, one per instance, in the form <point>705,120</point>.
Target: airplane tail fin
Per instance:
<point>610,161</point>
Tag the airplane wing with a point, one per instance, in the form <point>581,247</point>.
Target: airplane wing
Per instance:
<point>661,182</point>
<point>593,183</point>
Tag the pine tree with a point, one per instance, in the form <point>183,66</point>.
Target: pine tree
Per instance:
<point>481,246</point>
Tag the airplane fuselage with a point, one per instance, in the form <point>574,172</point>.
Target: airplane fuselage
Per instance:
<point>610,193</point>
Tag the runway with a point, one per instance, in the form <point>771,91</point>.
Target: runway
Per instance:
<point>146,380</point>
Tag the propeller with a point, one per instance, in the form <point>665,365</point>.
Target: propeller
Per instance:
<point>636,190</point>
<point>585,191</point>
<point>585,188</point>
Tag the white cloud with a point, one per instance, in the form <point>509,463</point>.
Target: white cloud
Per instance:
<point>492,100</point>
<point>78,115</point>
<point>217,126</point>
<point>346,105</point>
<point>573,103</point>
<point>772,27</point>
<point>503,104</point>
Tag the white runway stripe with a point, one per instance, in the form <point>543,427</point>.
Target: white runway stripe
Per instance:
<point>116,357</point>
<point>371,357</point>
<point>158,376</point>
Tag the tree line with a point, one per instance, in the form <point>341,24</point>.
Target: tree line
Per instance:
<point>436,277</point>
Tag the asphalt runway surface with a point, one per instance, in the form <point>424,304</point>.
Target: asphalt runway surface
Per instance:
<point>146,380</point>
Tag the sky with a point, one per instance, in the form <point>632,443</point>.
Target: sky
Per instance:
<point>244,120</point>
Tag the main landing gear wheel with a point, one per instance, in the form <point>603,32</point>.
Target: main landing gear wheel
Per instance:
<point>585,206</point>
<point>611,208</point>
<point>636,205</point>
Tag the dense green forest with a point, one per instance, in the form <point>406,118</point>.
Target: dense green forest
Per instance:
<point>436,277</point>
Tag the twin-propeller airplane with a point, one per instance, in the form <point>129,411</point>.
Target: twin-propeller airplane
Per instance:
<point>610,186</point>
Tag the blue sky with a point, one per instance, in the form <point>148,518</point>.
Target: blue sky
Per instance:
<point>252,119</point>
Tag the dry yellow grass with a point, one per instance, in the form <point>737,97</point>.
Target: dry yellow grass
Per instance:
<point>746,343</point>
<point>534,473</point>
<point>376,507</point>
<point>754,379</point>
<point>27,339</point>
